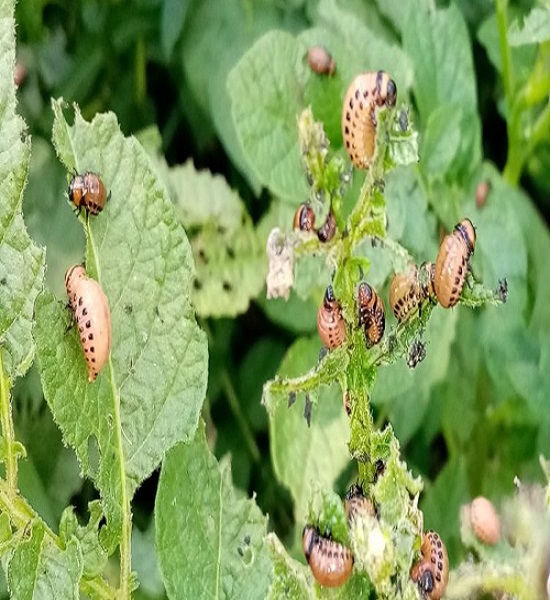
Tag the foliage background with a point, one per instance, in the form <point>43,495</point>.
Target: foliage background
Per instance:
<point>473,415</point>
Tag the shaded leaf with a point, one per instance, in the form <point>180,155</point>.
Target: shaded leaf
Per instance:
<point>209,538</point>
<point>231,261</point>
<point>535,28</point>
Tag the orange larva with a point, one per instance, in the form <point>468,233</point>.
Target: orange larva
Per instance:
<point>371,314</point>
<point>365,93</point>
<point>331,563</point>
<point>330,322</point>
<point>451,265</point>
<point>357,505</point>
<point>320,61</point>
<point>93,318</point>
<point>405,293</point>
<point>88,191</point>
<point>304,219</point>
<point>327,230</point>
<point>484,520</point>
<point>431,572</point>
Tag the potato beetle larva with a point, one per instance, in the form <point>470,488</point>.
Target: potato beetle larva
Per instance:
<point>88,191</point>
<point>331,563</point>
<point>483,189</point>
<point>357,505</point>
<point>304,219</point>
<point>431,572</point>
<point>330,322</point>
<point>371,314</point>
<point>327,230</point>
<point>93,318</point>
<point>405,293</point>
<point>365,93</point>
<point>484,520</point>
<point>320,61</point>
<point>451,265</point>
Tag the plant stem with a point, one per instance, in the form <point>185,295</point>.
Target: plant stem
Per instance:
<point>8,433</point>
<point>235,407</point>
<point>125,548</point>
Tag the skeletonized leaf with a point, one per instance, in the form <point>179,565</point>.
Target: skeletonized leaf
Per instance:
<point>231,262</point>
<point>148,396</point>
<point>21,261</point>
<point>210,538</point>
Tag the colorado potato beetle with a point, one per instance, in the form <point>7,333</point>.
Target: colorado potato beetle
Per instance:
<point>365,93</point>
<point>93,318</point>
<point>371,314</point>
<point>304,219</point>
<point>431,572</point>
<point>484,520</point>
<point>331,563</point>
<point>451,265</point>
<point>89,192</point>
<point>327,230</point>
<point>405,293</point>
<point>320,61</point>
<point>357,505</point>
<point>330,322</point>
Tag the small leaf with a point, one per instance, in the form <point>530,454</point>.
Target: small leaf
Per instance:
<point>210,540</point>
<point>149,395</point>
<point>300,455</point>
<point>231,261</point>
<point>21,261</point>
<point>39,569</point>
<point>535,29</point>
<point>265,100</point>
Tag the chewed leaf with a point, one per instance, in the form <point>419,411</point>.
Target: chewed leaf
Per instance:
<point>21,261</point>
<point>290,576</point>
<point>148,396</point>
<point>210,539</point>
<point>230,260</point>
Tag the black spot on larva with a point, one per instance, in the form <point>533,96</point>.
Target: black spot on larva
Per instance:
<point>92,349</point>
<point>88,324</point>
<point>80,301</point>
<point>90,336</point>
<point>93,359</point>
<point>84,311</point>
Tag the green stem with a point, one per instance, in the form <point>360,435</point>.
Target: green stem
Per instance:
<point>235,407</point>
<point>125,586</point>
<point>8,433</point>
<point>505,52</point>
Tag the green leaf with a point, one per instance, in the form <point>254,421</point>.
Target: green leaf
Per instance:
<point>149,395</point>
<point>441,141</point>
<point>171,25</point>
<point>322,448</point>
<point>265,101</point>
<point>216,36</point>
<point>231,261</point>
<point>144,561</point>
<point>21,261</point>
<point>290,577</point>
<point>210,540</point>
<point>535,29</point>
<point>38,569</point>
<point>94,556</point>
<point>437,41</point>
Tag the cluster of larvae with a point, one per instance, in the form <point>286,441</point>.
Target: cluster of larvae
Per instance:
<point>86,298</point>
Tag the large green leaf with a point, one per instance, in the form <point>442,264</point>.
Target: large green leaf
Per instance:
<point>21,261</point>
<point>149,395</point>
<point>210,539</point>
<point>265,101</point>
